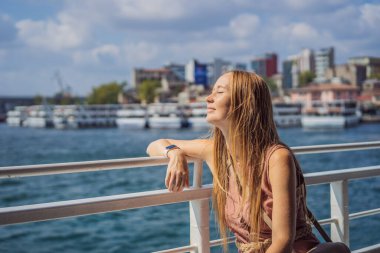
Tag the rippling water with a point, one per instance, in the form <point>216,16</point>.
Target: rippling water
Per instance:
<point>153,228</point>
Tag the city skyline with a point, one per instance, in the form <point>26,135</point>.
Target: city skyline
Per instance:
<point>89,47</point>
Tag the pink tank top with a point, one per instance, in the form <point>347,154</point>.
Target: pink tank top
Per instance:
<point>238,222</point>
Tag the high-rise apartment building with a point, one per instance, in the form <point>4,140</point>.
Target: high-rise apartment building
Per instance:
<point>265,66</point>
<point>287,74</point>
<point>306,60</point>
<point>196,73</point>
<point>324,59</point>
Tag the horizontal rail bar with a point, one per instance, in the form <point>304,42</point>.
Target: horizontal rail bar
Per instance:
<point>371,249</point>
<point>75,167</point>
<point>364,213</point>
<point>178,250</point>
<point>219,242</point>
<point>327,148</point>
<point>54,210</point>
<point>327,221</point>
<point>70,208</point>
<point>343,174</point>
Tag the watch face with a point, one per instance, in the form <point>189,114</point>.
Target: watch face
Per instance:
<point>170,147</point>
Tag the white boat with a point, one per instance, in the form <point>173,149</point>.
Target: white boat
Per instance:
<point>39,116</point>
<point>165,115</point>
<point>85,116</point>
<point>337,114</point>
<point>287,114</point>
<point>132,116</point>
<point>16,117</point>
<point>197,115</point>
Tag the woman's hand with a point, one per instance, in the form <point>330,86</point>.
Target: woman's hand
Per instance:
<point>177,173</point>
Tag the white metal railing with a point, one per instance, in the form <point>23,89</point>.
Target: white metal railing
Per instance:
<point>198,195</point>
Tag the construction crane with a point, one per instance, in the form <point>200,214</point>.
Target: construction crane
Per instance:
<point>65,89</point>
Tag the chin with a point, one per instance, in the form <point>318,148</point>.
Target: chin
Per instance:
<point>211,121</point>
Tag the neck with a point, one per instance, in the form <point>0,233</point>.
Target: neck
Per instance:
<point>225,133</point>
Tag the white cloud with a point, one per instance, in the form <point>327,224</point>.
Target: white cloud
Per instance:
<point>371,15</point>
<point>296,32</point>
<point>244,25</point>
<point>151,9</point>
<point>140,53</point>
<point>53,35</point>
<point>107,53</point>
<point>303,31</point>
<point>312,4</point>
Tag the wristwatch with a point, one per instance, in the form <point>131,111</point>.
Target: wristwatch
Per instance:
<point>170,147</point>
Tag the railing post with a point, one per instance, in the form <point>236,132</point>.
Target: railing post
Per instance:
<point>199,215</point>
<point>339,211</point>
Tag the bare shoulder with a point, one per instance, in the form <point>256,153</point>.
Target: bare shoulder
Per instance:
<point>198,148</point>
<point>281,164</point>
<point>281,154</point>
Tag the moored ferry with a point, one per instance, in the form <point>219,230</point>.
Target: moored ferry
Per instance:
<point>336,114</point>
<point>287,114</point>
<point>17,116</point>
<point>132,116</point>
<point>166,115</point>
<point>197,115</point>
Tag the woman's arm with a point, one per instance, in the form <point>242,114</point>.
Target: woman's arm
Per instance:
<point>282,175</point>
<point>177,174</point>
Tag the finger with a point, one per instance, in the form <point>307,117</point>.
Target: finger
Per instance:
<point>179,182</point>
<point>172,181</point>
<point>167,179</point>
<point>187,179</point>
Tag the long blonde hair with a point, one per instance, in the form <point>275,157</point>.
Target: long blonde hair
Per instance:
<point>251,131</point>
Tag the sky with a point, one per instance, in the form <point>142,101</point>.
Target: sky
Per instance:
<point>90,42</point>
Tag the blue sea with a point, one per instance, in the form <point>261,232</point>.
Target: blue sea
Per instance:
<point>153,228</point>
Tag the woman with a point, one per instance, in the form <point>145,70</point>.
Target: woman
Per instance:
<point>259,192</point>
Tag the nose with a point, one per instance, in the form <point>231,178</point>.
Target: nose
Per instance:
<point>209,98</point>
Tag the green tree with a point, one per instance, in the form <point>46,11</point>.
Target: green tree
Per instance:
<point>38,99</point>
<point>271,84</point>
<point>374,76</point>
<point>148,90</point>
<point>105,93</point>
<point>305,78</point>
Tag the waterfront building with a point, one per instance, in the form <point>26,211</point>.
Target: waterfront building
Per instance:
<point>372,64</point>
<point>287,74</point>
<point>167,78</point>
<point>177,69</point>
<point>351,73</point>
<point>295,65</point>
<point>324,92</point>
<point>265,66</point>
<point>324,59</point>
<point>306,60</point>
<point>196,73</point>
<point>278,81</point>
<point>219,66</point>
<point>371,92</point>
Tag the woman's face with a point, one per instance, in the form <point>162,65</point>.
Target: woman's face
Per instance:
<point>218,102</point>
